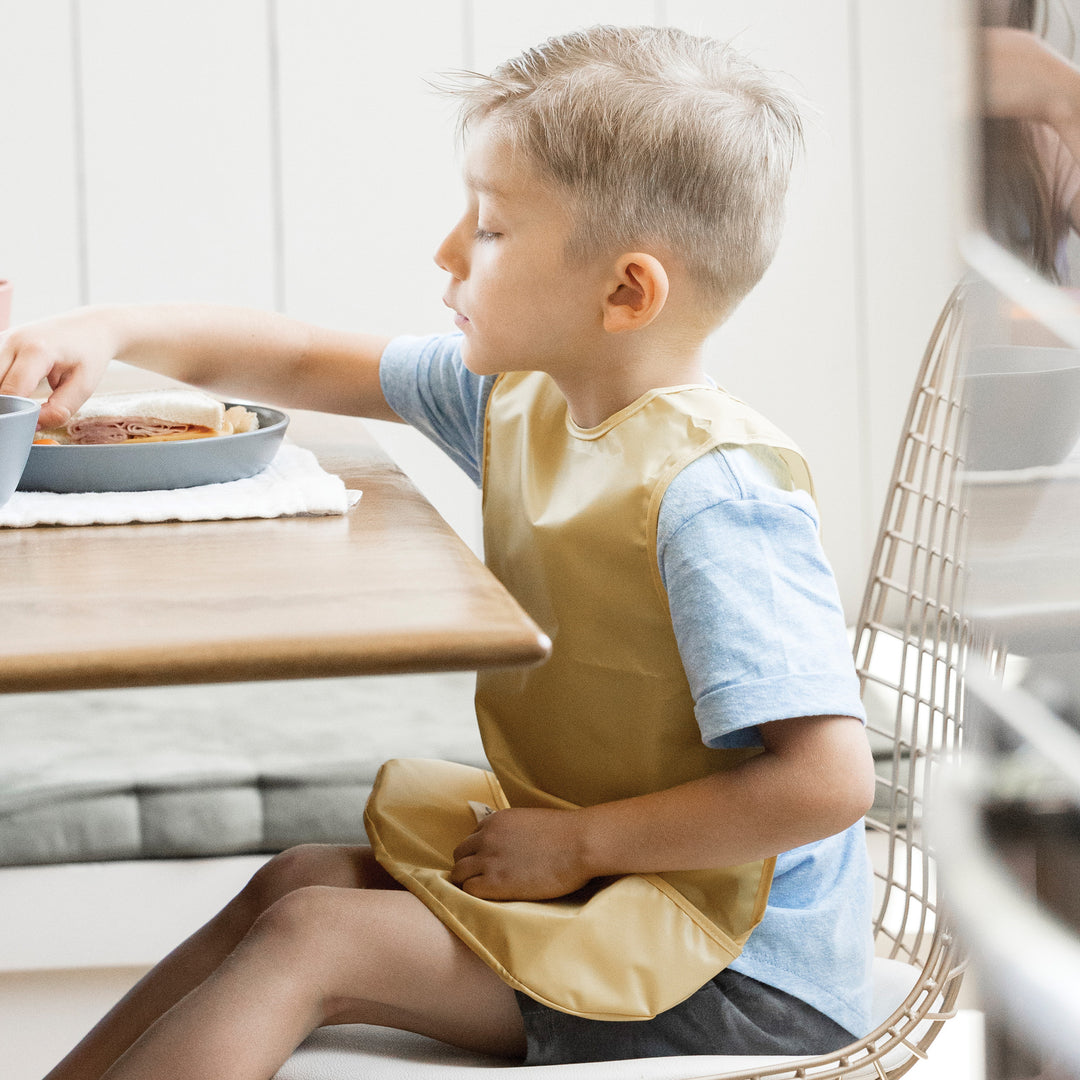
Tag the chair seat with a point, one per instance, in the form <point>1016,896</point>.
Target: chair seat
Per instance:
<point>355,1051</point>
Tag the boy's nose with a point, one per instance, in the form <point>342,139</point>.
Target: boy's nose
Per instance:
<point>449,254</point>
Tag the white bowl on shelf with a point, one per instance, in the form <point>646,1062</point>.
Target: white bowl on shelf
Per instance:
<point>1023,405</point>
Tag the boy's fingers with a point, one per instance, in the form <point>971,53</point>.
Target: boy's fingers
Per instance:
<point>53,414</point>
<point>463,869</point>
<point>474,886</point>
<point>469,846</point>
<point>25,365</point>
<point>21,369</point>
<point>68,394</point>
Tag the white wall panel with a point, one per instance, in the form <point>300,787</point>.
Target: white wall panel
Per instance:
<point>912,156</point>
<point>370,178</point>
<point>790,348</point>
<point>178,163</point>
<point>330,197</point>
<point>503,30</point>
<point>39,239</point>
<point>370,184</point>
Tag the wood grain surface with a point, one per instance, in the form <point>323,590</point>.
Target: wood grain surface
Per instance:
<point>388,587</point>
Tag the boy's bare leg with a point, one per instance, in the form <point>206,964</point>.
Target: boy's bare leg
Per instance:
<point>324,955</point>
<point>191,962</point>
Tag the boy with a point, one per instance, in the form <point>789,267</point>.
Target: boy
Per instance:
<point>698,723</point>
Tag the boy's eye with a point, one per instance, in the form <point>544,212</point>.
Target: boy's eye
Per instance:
<point>483,235</point>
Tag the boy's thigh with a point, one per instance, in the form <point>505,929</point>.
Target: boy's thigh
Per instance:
<point>395,964</point>
<point>340,865</point>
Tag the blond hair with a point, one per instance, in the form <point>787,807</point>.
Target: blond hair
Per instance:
<point>658,137</point>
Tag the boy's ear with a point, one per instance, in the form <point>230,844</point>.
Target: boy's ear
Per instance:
<point>640,293</point>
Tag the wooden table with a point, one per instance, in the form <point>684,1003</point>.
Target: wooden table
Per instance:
<point>388,588</point>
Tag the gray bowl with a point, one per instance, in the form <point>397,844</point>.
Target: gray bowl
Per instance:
<point>18,422</point>
<point>1023,404</point>
<point>157,466</point>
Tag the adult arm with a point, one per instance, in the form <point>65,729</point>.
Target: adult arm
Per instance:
<point>1024,78</point>
<point>235,351</point>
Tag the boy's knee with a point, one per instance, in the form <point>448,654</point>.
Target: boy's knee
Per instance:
<point>301,921</point>
<point>297,868</point>
<point>277,877</point>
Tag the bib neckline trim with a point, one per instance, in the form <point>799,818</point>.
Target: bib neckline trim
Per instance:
<point>624,414</point>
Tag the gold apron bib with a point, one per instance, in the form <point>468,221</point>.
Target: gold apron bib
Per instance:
<point>570,518</point>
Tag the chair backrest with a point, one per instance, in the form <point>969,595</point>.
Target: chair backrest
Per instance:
<point>911,646</point>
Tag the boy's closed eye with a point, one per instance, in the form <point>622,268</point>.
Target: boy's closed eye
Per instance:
<point>485,235</point>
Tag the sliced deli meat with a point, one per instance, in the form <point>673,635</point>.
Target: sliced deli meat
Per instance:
<point>151,416</point>
<point>112,429</point>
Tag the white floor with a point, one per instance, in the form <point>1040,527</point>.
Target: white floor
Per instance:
<point>957,1053</point>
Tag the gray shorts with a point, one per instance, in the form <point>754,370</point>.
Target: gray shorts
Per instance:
<point>732,1014</point>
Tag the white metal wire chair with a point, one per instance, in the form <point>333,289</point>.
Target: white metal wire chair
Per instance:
<point>911,645</point>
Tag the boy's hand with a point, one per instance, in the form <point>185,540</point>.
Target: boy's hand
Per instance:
<point>522,854</point>
<point>71,351</point>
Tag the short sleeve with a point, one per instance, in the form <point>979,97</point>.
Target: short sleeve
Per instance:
<point>753,600</point>
<point>426,383</point>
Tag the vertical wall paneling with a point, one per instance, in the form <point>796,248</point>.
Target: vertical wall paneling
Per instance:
<point>910,163</point>
<point>790,348</point>
<point>370,183</point>
<point>39,226</point>
<point>468,35</point>
<point>370,178</point>
<point>503,30</point>
<point>178,157</point>
<point>277,224</point>
<point>289,153</point>
<point>868,494</point>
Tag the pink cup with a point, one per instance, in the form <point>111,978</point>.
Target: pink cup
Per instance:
<point>5,304</point>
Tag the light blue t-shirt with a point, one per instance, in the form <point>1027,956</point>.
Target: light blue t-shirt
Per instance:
<point>762,637</point>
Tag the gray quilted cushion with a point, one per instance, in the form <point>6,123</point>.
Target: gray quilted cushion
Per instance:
<point>213,770</point>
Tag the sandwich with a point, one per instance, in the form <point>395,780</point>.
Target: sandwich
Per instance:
<point>149,416</point>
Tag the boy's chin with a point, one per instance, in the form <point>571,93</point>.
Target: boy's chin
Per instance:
<point>467,355</point>
<point>473,362</point>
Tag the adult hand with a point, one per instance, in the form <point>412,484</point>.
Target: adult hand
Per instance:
<point>522,854</point>
<point>71,351</point>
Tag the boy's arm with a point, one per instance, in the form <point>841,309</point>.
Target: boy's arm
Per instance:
<point>726,526</point>
<point>814,778</point>
<point>244,353</point>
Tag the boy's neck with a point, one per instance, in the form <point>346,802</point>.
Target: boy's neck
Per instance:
<point>596,390</point>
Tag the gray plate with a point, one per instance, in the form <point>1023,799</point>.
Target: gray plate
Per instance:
<point>156,466</point>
